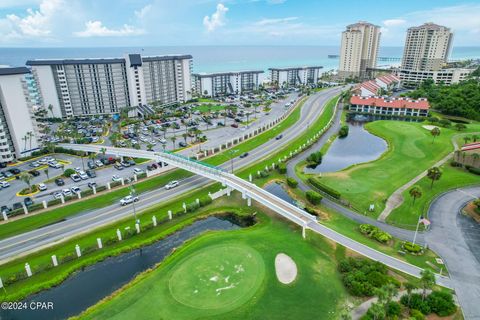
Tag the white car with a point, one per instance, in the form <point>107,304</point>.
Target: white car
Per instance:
<point>34,164</point>
<point>116,178</point>
<point>77,169</point>
<point>137,171</point>
<point>66,192</point>
<point>98,163</point>
<point>75,177</point>
<point>171,184</point>
<point>83,175</point>
<point>57,195</point>
<point>4,184</point>
<point>42,187</point>
<point>128,200</point>
<point>75,189</point>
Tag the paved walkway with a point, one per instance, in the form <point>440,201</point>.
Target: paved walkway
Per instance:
<point>396,198</point>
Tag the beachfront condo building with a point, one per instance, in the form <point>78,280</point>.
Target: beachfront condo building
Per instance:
<point>425,56</point>
<point>18,128</point>
<point>295,76</point>
<point>226,83</point>
<point>359,50</point>
<point>73,87</point>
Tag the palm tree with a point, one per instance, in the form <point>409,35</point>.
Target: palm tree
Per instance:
<point>46,173</point>
<point>30,136</point>
<point>27,178</point>
<point>427,281</point>
<point>184,135</point>
<point>466,139</point>
<point>409,286</point>
<point>103,151</point>
<point>50,107</point>
<point>149,147</point>
<point>434,174</point>
<point>475,138</point>
<point>174,138</point>
<point>25,138</point>
<point>50,147</point>
<point>435,133</point>
<point>415,192</point>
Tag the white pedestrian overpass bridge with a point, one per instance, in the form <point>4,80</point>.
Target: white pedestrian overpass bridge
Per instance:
<point>251,191</point>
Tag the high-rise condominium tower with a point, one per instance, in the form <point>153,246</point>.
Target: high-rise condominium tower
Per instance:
<point>359,49</point>
<point>427,47</point>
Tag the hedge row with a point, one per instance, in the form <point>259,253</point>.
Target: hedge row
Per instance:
<point>291,182</point>
<point>375,233</point>
<point>313,197</point>
<point>330,191</point>
<point>413,248</point>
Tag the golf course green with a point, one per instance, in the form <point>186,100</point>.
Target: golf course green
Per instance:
<point>412,150</point>
<point>231,275</point>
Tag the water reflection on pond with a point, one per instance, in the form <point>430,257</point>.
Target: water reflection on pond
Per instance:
<point>358,147</point>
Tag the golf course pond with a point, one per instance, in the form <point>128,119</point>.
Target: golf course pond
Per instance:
<point>358,147</point>
<point>278,190</point>
<point>88,286</point>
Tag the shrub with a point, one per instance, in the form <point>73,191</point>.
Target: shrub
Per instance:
<point>417,315</point>
<point>87,192</point>
<point>361,276</point>
<point>101,188</point>
<point>410,247</point>
<point>264,174</point>
<point>315,158</point>
<point>311,210</point>
<point>205,201</point>
<point>292,182</point>
<point>68,172</point>
<point>343,132</point>
<point>473,170</point>
<point>393,309</point>
<point>54,202</point>
<point>115,184</point>
<point>192,206</point>
<point>375,232</point>
<point>441,303</point>
<point>282,168</point>
<point>416,302</point>
<point>455,164</point>
<point>313,197</point>
<point>317,184</point>
<point>35,207</point>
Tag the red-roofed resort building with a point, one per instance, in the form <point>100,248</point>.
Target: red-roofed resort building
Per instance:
<point>399,106</point>
<point>469,154</point>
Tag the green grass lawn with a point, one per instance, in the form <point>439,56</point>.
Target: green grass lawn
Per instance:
<point>410,152</point>
<point>409,212</point>
<point>181,287</point>
<point>212,108</point>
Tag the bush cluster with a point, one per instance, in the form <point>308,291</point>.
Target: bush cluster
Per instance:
<point>412,248</point>
<point>317,184</point>
<point>343,132</point>
<point>375,233</point>
<point>291,182</point>
<point>439,302</point>
<point>68,172</point>
<point>315,158</point>
<point>313,197</point>
<point>362,276</point>
<point>473,169</point>
<point>282,168</point>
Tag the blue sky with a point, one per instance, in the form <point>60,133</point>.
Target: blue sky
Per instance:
<point>32,23</point>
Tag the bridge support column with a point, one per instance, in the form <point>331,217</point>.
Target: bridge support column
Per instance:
<point>25,210</point>
<point>170,214</point>
<point>135,178</point>
<point>94,190</point>
<point>79,195</point>
<point>137,227</point>
<point>119,235</point>
<point>5,217</point>
<point>184,207</point>
<point>108,186</point>
<point>154,221</point>
<point>244,195</point>
<point>28,269</point>
<point>123,182</point>
<point>44,204</point>
<point>78,251</point>
<point>249,201</point>
<point>228,191</point>
<point>62,199</point>
<point>54,260</point>
<point>99,243</point>
<point>304,233</point>
<point>250,177</point>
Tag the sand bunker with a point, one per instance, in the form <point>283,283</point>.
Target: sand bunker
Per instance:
<point>428,127</point>
<point>285,268</point>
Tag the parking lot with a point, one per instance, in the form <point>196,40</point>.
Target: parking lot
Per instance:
<point>103,174</point>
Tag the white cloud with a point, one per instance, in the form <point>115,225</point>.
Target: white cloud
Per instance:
<point>140,14</point>
<point>217,19</point>
<point>36,23</point>
<point>276,1</point>
<point>394,22</point>
<point>264,22</point>
<point>97,29</point>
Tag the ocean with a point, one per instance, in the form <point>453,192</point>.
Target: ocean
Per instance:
<point>219,58</point>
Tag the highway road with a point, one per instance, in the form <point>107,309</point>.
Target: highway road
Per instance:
<point>86,221</point>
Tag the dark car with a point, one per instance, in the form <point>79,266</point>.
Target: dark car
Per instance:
<point>131,162</point>
<point>59,182</point>
<point>5,209</point>
<point>92,184</point>
<point>182,144</point>
<point>234,125</point>
<point>91,173</point>
<point>243,155</point>
<point>279,137</point>
<point>91,164</point>
<point>14,170</point>
<point>28,201</point>
<point>34,173</point>
<point>238,120</point>
<point>221,124</point>
<point>17,205</point>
